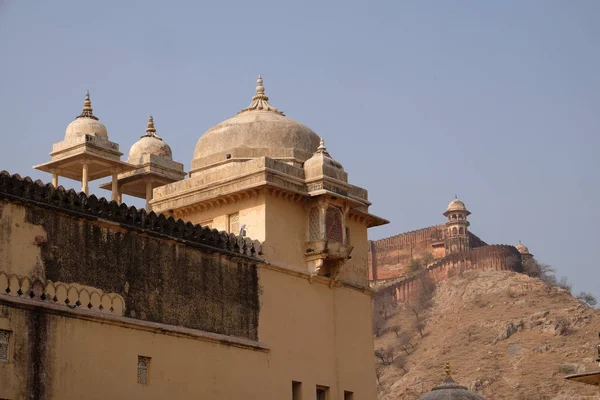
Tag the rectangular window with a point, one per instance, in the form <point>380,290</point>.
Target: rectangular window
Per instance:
<point>4,341</point>
<point>143,370</point>
<point>234,223</point>
<point>322,393</point>
<point>348,395</point>
<point>296,390</point>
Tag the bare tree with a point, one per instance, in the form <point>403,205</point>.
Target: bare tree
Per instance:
<point>378,324</point>
<point>414,265</point>
<point>427,259</point>
<point>378,373</point>
<point>587,298</point>
<point>396,329</point>
<point>385,356</point>
<point>420,327</point>
<point>404,342</point>
<point>563,283</point>
<point>423,300</point>
<point>401,363</point>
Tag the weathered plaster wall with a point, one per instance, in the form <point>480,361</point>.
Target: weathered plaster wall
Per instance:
<point>163,280</point>
<point>356,270</point>
<point>312,333</point>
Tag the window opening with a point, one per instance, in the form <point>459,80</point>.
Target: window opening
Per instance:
<point>296,390</point>
<point>4,336</point>
<point>322,393</point>
<point>314,223</point>
<point>348,395</point>
<point>333,224</point>
<point>142,370</point>
<point>234,223</point>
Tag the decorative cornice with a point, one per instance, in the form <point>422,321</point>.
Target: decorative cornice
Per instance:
<point>45,195</point>
<point>87,111</point>
<point>260,101</point>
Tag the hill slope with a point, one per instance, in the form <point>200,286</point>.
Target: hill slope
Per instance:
<point>506,335</point>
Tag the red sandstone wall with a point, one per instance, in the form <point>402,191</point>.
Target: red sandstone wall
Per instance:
<point>494,257</point>
<point>389,258</point>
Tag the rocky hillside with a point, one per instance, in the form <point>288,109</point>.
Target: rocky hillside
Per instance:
<point>506,336</point>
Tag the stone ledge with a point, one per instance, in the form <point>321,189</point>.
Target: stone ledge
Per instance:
<point>130,323</point>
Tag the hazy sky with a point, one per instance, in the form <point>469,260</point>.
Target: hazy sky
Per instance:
<point>496,101</point>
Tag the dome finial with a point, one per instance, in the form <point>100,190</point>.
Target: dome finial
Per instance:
<point>448,369</point>
<point>87,111</point>
<point>260,89</point>
<point>151,130</point>
<point>260,101</point>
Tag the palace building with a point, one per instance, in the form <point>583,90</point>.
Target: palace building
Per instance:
<point>246,278</point>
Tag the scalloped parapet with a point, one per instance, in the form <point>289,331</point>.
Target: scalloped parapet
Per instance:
<point>69,201</point>
<point>73,296</point>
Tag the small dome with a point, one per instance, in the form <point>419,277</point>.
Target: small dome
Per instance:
<point>86,123</point>
<point>150,143</point>
<point>259,126</point>
<point>450,390</point>
<point>522,249</point>
<point>322,158</point>
<point>456,205</point>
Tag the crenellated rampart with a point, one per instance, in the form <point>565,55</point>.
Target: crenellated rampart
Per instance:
<point>491,257</point>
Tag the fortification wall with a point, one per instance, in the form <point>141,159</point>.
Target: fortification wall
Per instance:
<point>491,257</point>
<point>67,248</point>
<point>389,257</point>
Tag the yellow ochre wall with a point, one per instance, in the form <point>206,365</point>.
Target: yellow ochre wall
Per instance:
<point>315,334</point>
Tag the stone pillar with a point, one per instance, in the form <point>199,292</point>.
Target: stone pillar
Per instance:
<point>55,179</point>
<point>148,196</point>
<point>115,187</point>
<point>84,178</point>
<point>120,198</point>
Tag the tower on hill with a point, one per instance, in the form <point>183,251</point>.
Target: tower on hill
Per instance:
<point>457,228</point>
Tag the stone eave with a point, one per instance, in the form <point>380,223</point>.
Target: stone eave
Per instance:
<point>251,178</point>
<point>70,167</point>
<point>365,217</point>
<point>83,147</point>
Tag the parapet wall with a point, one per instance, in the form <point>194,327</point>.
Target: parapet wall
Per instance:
<point>389,257</point>
<point>492,257</point>
<point>163,270</point>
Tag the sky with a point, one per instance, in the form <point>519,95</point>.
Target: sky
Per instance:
<point>496,102</point>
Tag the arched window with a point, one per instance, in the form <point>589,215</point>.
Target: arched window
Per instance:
<point>454,231</point>
<point>461,230</point>
<point>4,346</point>
<point>333,224</point>
<point>314,225</point>
<point>142,372</point>
<point>453,216</point>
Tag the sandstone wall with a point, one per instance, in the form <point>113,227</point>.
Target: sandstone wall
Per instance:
<point>389,257</point>
<point>492,257</point>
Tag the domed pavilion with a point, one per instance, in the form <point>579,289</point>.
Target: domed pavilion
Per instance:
<point>154,166</point>
<point>267,175</point>
<point>86,154</point>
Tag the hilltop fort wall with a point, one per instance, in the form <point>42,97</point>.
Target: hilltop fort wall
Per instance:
<point>491,257</point>
<point>389,257</point>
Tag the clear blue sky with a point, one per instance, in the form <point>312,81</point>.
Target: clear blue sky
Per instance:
<point>497,102</point>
